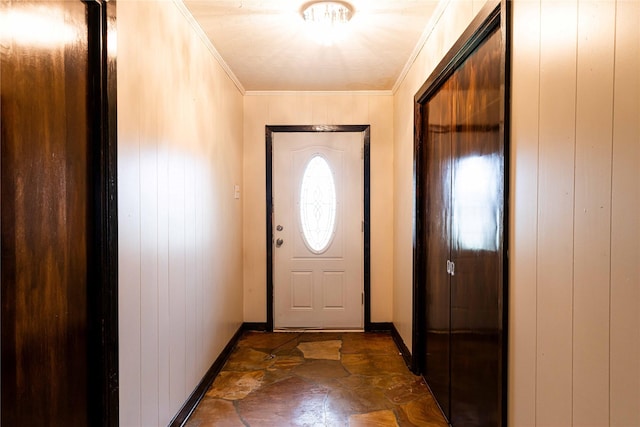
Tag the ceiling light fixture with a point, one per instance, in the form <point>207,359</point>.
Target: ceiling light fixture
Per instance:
<point>327,19</point>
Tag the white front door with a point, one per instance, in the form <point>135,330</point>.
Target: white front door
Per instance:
<point>317,230</point>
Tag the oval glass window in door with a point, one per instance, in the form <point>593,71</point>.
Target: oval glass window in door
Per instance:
<point>318,204</point>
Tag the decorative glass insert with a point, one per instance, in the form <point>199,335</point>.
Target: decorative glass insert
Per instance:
<point>318,204</point>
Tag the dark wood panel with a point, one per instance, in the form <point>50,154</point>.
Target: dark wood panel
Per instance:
<point>45,209</point>
<point>438,236</point>
<point>477,236</point>
<point>103,247</point>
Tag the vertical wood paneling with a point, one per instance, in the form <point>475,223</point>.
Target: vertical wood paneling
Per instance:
<point>164,320</point>
<point>191,375</point>
<point>341,111</point>
<point>254,223</point>
<point>129,249</point>
<point>320,109</point>
<point>555,212</point>
<point>625,221</point>
<point>177,276</point>
<point>594,110</point>
<point>306,108</point>
<point>149,284</point>
<point>360,108</point>
<point>129,259</point>
<point>381,207</point>
<point>188,118</point>
<point>524,201</point>
<point>201,258</point>
<point>284,113</point>
<point>602,241</point>
<point>403,210</point>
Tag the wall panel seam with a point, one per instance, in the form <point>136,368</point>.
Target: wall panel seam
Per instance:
<point>535,412</point>
<point>573,226</point>
<point>611,183</point>
<point>140,249</point>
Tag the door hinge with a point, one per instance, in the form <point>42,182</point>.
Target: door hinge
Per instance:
<point>362,294</point>
<point>362,227</point>
<point>361,152</point>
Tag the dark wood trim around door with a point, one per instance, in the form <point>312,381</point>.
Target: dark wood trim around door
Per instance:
<point>269,131</point>
<point>103,243</point>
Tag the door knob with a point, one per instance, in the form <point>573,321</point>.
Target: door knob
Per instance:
<point>279,243</point>
<point>279,228</point>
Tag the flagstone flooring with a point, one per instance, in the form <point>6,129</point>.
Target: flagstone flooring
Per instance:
<point>316,379</point>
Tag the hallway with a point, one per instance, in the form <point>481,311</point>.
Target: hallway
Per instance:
<point>316,379</point>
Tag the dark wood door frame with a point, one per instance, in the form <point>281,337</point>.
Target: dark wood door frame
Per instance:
<point>495,14</point>
<point>269,131</point>
<point>103,243</point>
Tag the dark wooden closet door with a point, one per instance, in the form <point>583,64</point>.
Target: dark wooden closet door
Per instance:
<point>45,192</point>
<point>437,228</point>
<point>477,234</point>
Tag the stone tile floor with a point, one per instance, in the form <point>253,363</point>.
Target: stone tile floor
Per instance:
<point>316,379</point>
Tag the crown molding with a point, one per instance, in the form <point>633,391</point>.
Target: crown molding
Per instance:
<point>428,29</point>
<point>203,36</point>
<point>318,93</point>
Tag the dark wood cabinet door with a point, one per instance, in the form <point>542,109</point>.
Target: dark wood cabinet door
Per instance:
<point>45,213</point>
<point>477,206</point>
<point>438,238</point>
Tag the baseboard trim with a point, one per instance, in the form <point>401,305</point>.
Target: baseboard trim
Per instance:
<point>406,354</point>
<point>198,393</point>
<point>390,327</point>
<point>380,327</point>
<point>254,326</point>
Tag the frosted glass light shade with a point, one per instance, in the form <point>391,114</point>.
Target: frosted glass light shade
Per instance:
<point>327,19</point>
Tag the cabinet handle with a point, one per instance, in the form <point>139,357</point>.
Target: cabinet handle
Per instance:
<point>448,267</point>
<point>453,268</point>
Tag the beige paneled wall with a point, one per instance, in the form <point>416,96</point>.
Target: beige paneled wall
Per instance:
<point>624,321</point>
<point>574,339</point>
<point>452,21</point>
<point>180,228</point>
<point>307,108</point>
<point>575,243</point>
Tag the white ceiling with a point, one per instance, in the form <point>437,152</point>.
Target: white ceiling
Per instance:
<point>267,47</point>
